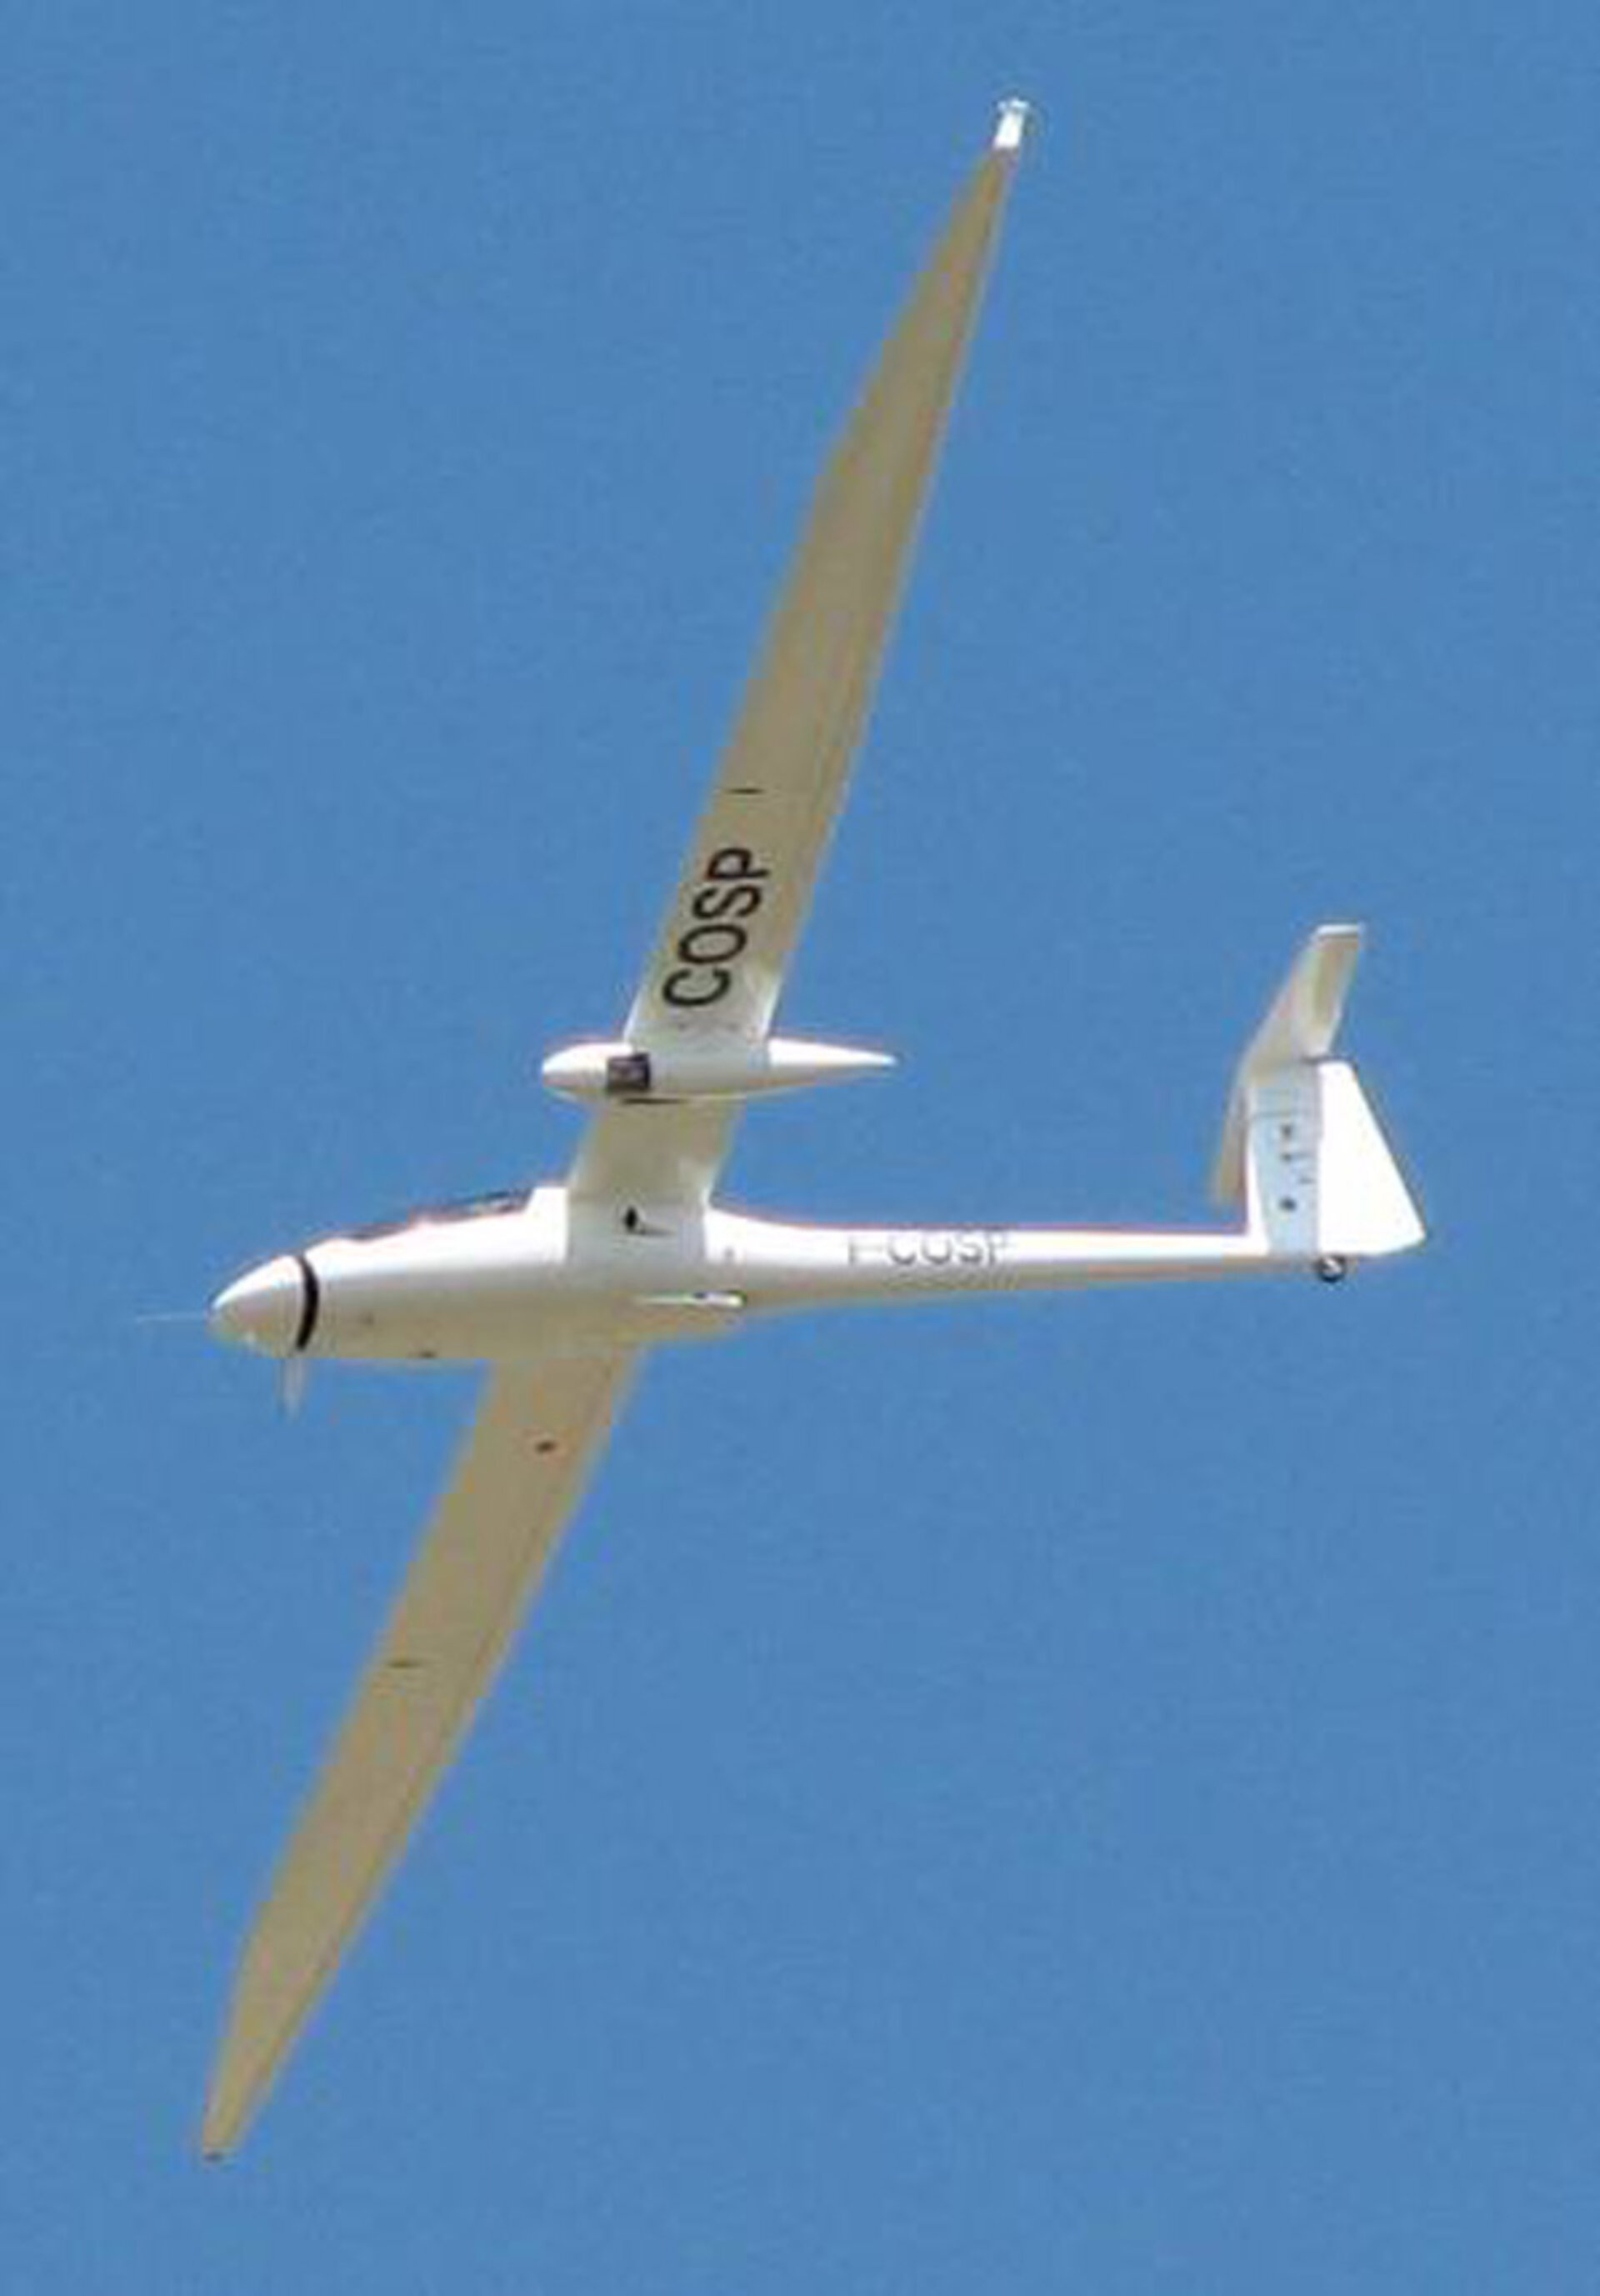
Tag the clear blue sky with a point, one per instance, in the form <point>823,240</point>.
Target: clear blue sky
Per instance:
<point>1097,1795</point>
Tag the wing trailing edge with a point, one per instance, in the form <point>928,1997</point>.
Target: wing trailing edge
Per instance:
<point>539,1430</point>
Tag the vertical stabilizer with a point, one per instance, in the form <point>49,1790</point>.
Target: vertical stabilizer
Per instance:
<point>1301,1147</point>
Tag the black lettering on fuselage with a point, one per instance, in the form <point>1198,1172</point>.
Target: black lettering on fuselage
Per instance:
<point>734,884</point>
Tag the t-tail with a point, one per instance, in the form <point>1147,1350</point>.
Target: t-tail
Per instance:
<point>1301,1149</point>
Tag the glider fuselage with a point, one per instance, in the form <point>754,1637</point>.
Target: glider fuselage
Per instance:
<point>491,1281</point>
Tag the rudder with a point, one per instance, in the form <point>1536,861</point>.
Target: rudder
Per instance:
<point>1302,1146</point>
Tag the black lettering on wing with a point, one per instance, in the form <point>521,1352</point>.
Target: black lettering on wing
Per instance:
<point>733,888</point>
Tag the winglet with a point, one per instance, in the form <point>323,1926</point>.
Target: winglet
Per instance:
<point>1012,125</point>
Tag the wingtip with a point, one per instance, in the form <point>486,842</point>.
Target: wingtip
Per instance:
<point>213,2141</point>
<point>1012,125</point>
<point>231,2107</point>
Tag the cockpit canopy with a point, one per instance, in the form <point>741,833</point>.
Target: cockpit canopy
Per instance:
<point>494,1206</point>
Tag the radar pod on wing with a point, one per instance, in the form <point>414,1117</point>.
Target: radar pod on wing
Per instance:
<point>707,1068</point>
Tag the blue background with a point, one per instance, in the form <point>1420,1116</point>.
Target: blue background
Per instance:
<point>1096,1792</point>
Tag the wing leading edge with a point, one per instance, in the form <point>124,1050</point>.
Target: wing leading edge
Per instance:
<point>718,967</point>
<point>539,1430</point>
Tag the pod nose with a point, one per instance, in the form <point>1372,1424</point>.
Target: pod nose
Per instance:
<point>266,1308</point>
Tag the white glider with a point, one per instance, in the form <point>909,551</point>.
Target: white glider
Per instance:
<point>561,1289</point>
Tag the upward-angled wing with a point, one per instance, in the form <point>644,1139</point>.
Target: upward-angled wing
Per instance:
<point>718,967</point>
<point>539,1428</point>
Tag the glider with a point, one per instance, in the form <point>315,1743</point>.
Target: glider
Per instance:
<point>562,1289</point>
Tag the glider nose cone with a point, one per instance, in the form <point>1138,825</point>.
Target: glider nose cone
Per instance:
<point>264,1309</point>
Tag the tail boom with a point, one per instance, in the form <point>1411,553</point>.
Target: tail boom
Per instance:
<point>1303,1159</point>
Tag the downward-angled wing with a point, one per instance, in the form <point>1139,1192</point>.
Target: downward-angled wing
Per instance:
<point>538,1430</point>
<point>718,967</point>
